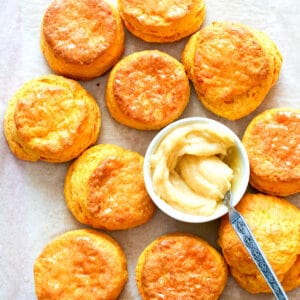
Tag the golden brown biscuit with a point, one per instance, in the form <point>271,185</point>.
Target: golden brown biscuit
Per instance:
<point>272,142</point>
<point>255,283</point>
<point>180,266</point>
<point>232,67</point>
<point>147,90</point>
<point>51,118</point>
<point>275,223</point>
<point>80,264</point>
<point>166,21</point>
<point>82,39</point>
<point>104,188</point>
<point>291,279</point>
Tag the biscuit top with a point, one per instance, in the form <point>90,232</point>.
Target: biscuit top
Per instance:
<point>79,31</point>
<point>182,267</point>
<point>80,265</point>
<point>149,12</point>
<point>115,189</point>
<point>229,61</point>
<point>49,117</point>
<point>275,143</point>
<point>150,87</point>
<point>109,184</point>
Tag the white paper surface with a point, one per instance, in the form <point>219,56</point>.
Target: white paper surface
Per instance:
<point>33,209</point>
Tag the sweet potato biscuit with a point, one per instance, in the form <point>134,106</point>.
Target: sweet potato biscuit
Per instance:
<point>272,142</point>
<point>255,283</point>
<point>82,39</point>
<point>147,90</point>
<point>275,223</point>
<point>180,266</point>
<point>80,264</point>
<point>232,67</point>
<point>291,280</point>
<point>164,21</point>
<point>104,188</point>
<point>51,118</point>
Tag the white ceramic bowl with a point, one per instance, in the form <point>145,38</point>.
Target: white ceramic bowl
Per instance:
<point>239,182</point>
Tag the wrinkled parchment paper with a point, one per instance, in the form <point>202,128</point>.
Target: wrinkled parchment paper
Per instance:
<point>33,209</point>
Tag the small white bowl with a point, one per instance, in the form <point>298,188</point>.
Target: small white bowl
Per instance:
<point>239,182</point>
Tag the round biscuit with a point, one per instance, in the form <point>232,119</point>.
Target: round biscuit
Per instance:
<point>147,90</point>
<point>81,39</point>
<point>168,21</point>
<point>51,118</point>
<point>272,142</point>
<point>275,223</point>
<point>80,264</point>
<point>180,266</point>
<point>104,188</point>
<point>232,67</point>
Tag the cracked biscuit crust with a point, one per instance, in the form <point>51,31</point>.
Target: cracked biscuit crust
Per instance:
<point>51,118</point>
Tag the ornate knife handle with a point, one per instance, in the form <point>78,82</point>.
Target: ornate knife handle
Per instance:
<point>243,231</point>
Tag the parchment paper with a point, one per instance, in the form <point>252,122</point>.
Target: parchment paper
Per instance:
<point>33,209</point>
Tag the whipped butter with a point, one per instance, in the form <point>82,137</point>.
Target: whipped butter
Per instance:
<point>188,168</point>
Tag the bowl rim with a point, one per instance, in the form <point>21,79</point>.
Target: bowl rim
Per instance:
<point>170,210</point>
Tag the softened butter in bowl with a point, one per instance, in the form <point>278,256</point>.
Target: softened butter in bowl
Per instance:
<point>191,164</point>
